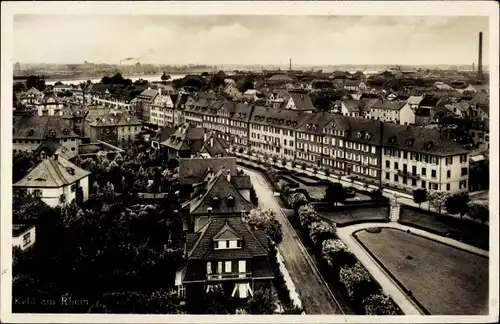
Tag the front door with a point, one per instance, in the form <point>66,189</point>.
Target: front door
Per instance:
<point>349,169</point>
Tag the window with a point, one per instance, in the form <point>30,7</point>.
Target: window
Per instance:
<point>423,184</point>
<point>405,155</point>
<point>426,158</point>
<point>209,267</point>
<point>219,267</point>
<point>373,149</point>
<point>447,187</point>
<point>242,266</point>
<point>464,172</point>
<point>387,164</point>
<point>448,174</point>
<point>414,169</point>
<point>396,165</point>
<point>433,173</point>
<point>37,193</point>
<point>413,182</point>
<point>434,160</point>
<point>26,239</point>
<point>227,266</point>
<point>463,158</point>
<point>405,180</point>
<point>396,178</point>
<point>424,171</point>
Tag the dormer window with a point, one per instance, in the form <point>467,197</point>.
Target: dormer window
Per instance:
<point>409,142</point>
<point>230,201</point>
<point>392,139</point>
<point>66,131</point>
<point>70,170</point>
<point>31,132</point>
<point>428,145</point>
<point>368,136</point>
<point>215,201</point>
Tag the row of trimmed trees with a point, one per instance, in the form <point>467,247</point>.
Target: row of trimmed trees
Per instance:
<point>458,204</point>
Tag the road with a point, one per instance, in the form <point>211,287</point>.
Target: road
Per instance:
<point>314,293</point>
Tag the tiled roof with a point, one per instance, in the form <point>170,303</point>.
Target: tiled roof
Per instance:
<point>302,101</point>
<point>353,105</point>
<point>219,186</point>
<point>52,173</point>
<point>415,100</point>
<point>241,112</point>
<point>214,146</point>
<point>40,127</point>
<point>363,130</point>
<point>204,247</point>
<point>281,118</point>
<point>429,101</point>
<point>164,134</point>
<point>105,117</point>
<point>417,139</point>
<point>49,146</point>
<point>388,105</point>
<point>281,77</point>
<point>193,170</point>
<point>316,123</point>
<point>148,94</point>
<point>186,137</point>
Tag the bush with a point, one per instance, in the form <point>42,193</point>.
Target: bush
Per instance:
<point>320,231</point>
<point>374,230</point>
<point>380,304</point>
<point>358,282</point>
<point>307,215</point>
<point>336,254</point>
<point>297,200</point>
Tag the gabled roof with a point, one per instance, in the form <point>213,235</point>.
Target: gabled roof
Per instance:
<point>353,105</point>
<point>52,173</point>
<point>281,118</point>
<point>302,101</point>
<point>219,186</point>
<point>316,123</point>
<point>204,247</point>
<point>227,233</point>
<point>414,100</point>
<point>51,147</point>
<point>214,146</point>
<point>186,137</point>
<point>192,170</point>
<point>417,139</point>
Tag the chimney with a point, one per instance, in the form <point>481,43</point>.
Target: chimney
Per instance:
<point>204,137</point>
<point>56,155</point>
<point>290,65</point>
<point>212,141</point>
<point>480,58</point>
<point>228,175</point>
<point>159,91</point>
<point>149,88</point>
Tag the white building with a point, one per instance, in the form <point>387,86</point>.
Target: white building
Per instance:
<point>56,181</point>
<point>407,113</point>
<point>23,236</point>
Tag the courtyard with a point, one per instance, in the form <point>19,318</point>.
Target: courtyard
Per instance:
<point>443,279</point>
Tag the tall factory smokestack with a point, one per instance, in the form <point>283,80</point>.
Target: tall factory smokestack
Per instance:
<point>290,65</point>
<point>480,59</point>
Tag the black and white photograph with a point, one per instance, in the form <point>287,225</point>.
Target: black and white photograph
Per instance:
<point>279,158</point>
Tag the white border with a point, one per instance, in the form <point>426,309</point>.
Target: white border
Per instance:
<point>410,8</point>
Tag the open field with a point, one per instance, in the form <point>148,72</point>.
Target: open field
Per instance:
<point>444,279</point>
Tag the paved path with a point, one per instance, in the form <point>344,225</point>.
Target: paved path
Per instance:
<point>388,285</point>
<point>314,293</point>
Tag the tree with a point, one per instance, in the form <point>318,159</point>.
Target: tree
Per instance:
<point>165,77</point>
<point>106,80</point>
<point>419,196</point>
<point>380,304</point>
<point>437,199</point>
<point>265,220</point>
<point>320,231</point>
<point>247,85</point>
<point>31,82</point>
<point>335,193</point>
<point>479,211</point>
<point>307,215</point>
<point>357,281</point>
<point>253,197</point>
<point>458,204</point>
<point>263,301</point>
<point>296,200</point>
<point>336,253</point>
<point>19,86</point>
<point>23,161</point>
<point>58,83</point>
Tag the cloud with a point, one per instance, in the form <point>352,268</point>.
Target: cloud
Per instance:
<point>249,39</point>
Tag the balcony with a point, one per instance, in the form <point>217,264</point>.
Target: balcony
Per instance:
<point>408,174</point>
<point>229,276</point>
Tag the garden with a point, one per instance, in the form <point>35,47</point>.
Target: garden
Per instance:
<point>354,214</point>
<point>467,231</point>
<point>443,280</point>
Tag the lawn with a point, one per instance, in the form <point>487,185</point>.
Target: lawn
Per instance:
<point>471,232</point>
<point>444,279</point>
<point>315,192</point>
<point>350,215</point>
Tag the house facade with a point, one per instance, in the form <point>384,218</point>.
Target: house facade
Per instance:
<point>23,236</point>
<point>56,181</point>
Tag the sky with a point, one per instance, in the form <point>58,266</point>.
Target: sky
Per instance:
<point>233,39</point>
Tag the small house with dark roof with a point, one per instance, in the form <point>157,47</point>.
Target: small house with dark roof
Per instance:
<point>221,249</point>
<point>185,142</point>
<point>56,181</point>
<point>352,108</point>
<point>299,101</point>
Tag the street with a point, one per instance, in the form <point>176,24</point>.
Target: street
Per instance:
<point>314,293</point>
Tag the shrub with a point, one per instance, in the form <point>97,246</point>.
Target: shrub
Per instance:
<point>358,282</point>
<point>307,215</point>
<point>380,304</point>
<point>336,254</point>
<point>374,230</point>
<point>327,172</point>
<point>296,200</point>
<point>303,166</point>
<point>320,231</point>
<point>265,220</point>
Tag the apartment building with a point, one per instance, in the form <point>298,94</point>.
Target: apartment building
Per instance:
<point>113,126</point>
<point>161,109</point>
<point>416,157</point>
<point>386,111</point>
<point>272,131</point>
